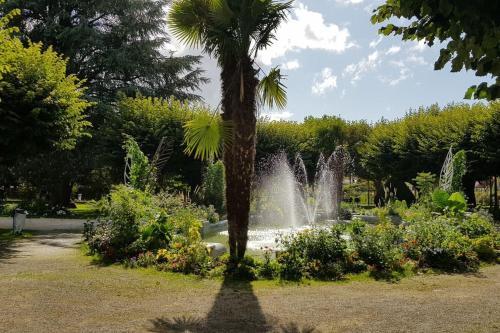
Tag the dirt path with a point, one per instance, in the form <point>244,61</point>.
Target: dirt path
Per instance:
<point>48,286</point>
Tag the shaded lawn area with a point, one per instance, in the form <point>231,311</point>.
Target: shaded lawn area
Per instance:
<point>50,287</point>
<point>84,210</point>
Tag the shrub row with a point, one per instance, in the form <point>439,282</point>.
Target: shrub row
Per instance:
<point>451,244</point>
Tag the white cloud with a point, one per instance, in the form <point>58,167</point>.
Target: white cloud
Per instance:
<point>416,60</point>
<point>404,73</point>
<point>306,29</point>
<point>278,115</point>
<point>358,70</point>
<point>419,46</point>
<point>291,65</point>
<point>349,2</point>
<point>369,8</point>
<point>343,93</point>
<point>393,50</point>
<point>375,42</point>
<point>324,81</point>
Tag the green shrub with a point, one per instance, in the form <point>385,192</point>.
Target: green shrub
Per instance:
<point>425,182</point>
<point>214,186</point>
<point>357,226</point>
<point>486,247</point>
<point>440,199</point>
<point>185,257</point>
<point>454,203</point>
<point>186,222</point>
<point>439,244</point>
<point>158,233</point>
<point>417,212</point>
<point>146,259</point>
<point>168,202</point>
<point>140,169</point>
<point>291,266</point>
<point>134,222</point>
<point>477,225</point>
<point>123,213</point>
<point>459,170</point>
<point>345,214</point>
<point>316,253</point>
<point>212,215</point>
<point>379,247</point>
<point>269,268</point>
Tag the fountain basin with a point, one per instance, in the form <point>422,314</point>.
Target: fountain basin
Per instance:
<point>268,239</point>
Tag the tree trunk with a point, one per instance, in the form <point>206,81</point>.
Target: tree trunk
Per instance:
<point>239,85</point>
<point>469,186</point>
<point>495,193</point>
<point>379,197</point>
<point>60,194</point>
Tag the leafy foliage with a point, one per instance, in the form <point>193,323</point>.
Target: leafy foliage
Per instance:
<point>41,108</point>
<point>425,182</point>
<point>394,152</point>
<point>437,243</point>
<point>114,46</point>
<point>271,89</point>
<point>459,170</point>
<point>140,168</point>
<point>204,136</point>
<point>133,221</point>
<point>444,202</point>
<point>323,254</point>
<point>470,29</point>
<point>213,186</point>
<point>379,247</point>
<point>215,25</point>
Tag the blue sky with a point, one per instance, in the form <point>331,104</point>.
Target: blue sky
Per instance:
<point>337,64</point>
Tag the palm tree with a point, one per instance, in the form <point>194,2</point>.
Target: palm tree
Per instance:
<point>233,31</point>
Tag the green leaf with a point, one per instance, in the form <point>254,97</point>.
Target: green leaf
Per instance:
<point>204,135</point>
<point>470,92</point>
<point>271,89</point>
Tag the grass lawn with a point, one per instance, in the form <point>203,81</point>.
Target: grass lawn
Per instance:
<point>84,210</point>
<point>50,286</point>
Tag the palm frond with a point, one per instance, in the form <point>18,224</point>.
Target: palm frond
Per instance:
<point>221,13</point>
<point>187,20</point>
<point>271,89</point>
<point>204,136</point>
<point>269,15</point>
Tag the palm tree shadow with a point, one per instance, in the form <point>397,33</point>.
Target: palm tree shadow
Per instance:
<point>236,309</point>
<point>8,248</point>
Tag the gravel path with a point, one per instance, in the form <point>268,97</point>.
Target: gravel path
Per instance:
<point>48,286</point>
<point>46,224</point>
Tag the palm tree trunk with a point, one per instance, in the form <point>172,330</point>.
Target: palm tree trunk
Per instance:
<point>239,85</point>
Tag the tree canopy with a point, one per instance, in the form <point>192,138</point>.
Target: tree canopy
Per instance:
<point>470,29</point>
<point>394,152</point>
<point>115,45</point>
<point>41,108</point>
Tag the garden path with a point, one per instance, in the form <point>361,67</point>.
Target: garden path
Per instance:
<point>47,285</point>
<point>46,224</point>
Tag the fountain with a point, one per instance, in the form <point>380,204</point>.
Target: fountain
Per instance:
<point>285,202</point>
<point>284,197</point>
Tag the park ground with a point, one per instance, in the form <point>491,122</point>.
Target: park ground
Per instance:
<point>49,285</point>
